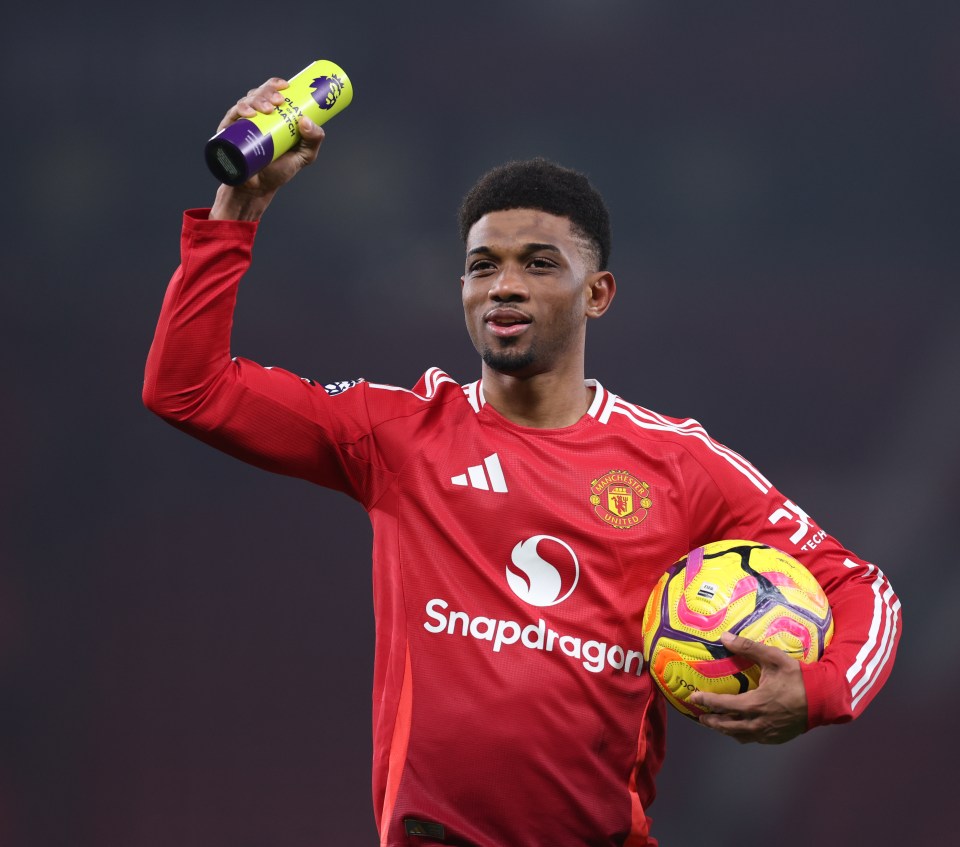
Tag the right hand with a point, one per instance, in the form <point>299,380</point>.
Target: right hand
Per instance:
<point>249,200</point>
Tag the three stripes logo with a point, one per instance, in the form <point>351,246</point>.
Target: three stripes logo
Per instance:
<point>486,477</point>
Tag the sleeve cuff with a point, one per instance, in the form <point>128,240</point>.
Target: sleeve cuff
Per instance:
<point>197,221</point>
<point>828,695</point>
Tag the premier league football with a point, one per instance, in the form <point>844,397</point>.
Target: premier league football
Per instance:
<point>737,586</point>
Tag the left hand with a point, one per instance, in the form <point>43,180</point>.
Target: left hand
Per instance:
<point>773,712</point>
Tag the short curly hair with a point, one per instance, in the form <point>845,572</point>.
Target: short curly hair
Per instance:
<point>549,187</point>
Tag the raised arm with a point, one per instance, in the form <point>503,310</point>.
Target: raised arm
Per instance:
<point>266,416</point>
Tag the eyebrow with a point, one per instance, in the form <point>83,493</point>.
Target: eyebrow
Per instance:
<point>533,247</point>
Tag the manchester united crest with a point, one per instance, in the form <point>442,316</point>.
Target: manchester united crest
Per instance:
<point>619,499</point>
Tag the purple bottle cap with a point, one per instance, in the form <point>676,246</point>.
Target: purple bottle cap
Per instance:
<point>238,151</point>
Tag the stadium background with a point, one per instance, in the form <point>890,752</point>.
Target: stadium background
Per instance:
<point>186,642</point>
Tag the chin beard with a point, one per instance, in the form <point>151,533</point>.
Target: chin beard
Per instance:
<point>507,361</point>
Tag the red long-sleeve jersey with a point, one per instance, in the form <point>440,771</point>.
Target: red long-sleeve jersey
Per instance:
<point>511,569</point>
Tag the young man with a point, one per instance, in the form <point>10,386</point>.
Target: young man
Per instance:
<point>520,523</point>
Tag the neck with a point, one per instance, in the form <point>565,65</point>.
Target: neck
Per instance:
<point>544,401</point>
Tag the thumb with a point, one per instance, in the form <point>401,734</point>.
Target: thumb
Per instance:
<point>310,132</point>
<point>311,137</point>
<point>759,654</point>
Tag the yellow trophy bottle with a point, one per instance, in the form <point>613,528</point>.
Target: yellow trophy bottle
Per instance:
<point>320,91</point>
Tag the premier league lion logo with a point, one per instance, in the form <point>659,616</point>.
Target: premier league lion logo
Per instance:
<point>326,90</point>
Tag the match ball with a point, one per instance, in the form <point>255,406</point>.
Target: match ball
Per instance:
<point>735,586</point>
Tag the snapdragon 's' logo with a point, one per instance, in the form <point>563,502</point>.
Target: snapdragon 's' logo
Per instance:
<point>543,570</point>
<point>326,90</point>
<point>619,499</point>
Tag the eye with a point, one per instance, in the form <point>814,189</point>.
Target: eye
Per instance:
<point>540,263</point>
<point>480,266</point>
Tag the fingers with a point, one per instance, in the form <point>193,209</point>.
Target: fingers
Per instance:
<point>311,137</point>
<point>720,703</point>
<point>747,728</point>
<point>747,718</point>
<point>308,144</point>
<point>761,654</point>
<point>263,99</point>
<point>773,712</point>
<point>310,132</point>
<point>737,643</point>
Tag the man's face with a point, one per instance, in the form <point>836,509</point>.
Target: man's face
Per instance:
<point>526,291</point>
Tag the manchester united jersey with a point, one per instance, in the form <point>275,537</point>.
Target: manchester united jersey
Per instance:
<point>511,569</point>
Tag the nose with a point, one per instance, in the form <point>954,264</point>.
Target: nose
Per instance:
<point>509,286</point>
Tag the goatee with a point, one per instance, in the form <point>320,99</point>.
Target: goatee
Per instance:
<point>506,361</point>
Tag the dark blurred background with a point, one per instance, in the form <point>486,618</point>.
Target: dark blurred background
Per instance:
<point>186,642</point>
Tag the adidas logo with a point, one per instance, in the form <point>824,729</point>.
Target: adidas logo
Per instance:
<point>476,477</point>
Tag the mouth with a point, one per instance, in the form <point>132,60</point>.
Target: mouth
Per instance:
<point>506,322</point>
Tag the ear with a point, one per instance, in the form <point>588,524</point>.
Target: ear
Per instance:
<point>601,288</point>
